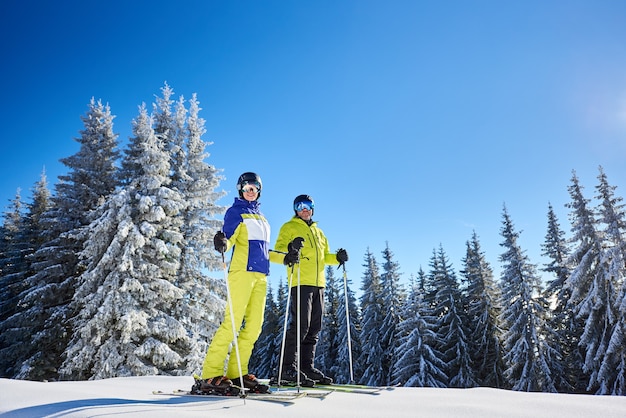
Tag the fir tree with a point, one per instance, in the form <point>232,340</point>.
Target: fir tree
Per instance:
<point>555,248</point>
<point>452,331</point>
<point>168,129</point>
<point>482,297</point>
<point>23,237</point>
<point>78,195</point>
<point>12,257</point>
<point>341,371</point>
<point>327,346</point>
<point>592,296</point>
<point>611,375</point>
<point>419,362</point>
<point>36,209</point>
<point>523,317</point>
<point>13,268</point>
<point>560,318</point>
<point>196,181</point>
<point>373,314</point>
<point>128,293</point>
<point>393,299</point>
<point>200,192</point>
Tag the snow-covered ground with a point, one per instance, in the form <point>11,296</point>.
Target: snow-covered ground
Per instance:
<point>133,396</point>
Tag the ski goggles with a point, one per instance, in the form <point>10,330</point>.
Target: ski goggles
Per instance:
<point>251,187</point>
<point>300,206</point>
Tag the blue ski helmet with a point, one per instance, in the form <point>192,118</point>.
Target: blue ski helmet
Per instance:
<point>249,178</point>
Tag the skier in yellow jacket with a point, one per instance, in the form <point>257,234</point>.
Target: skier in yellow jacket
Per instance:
<point>246,231</point>
<point>312,258</point>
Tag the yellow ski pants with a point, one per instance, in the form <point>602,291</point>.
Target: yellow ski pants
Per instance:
<point>248,291</point>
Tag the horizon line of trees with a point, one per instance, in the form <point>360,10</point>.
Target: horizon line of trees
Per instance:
<point>108,276</point>
<point>470,329</point>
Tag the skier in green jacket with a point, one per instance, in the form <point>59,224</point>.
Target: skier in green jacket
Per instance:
<point>310,259</point>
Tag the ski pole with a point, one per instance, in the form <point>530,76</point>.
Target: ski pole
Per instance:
<point>347,309</point>
<point>282,345</point>
<point>232,323</point>
<point>298,331</point>
<point>297,244</point>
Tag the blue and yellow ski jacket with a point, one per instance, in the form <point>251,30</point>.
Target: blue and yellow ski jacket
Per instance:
<point>248,232</point>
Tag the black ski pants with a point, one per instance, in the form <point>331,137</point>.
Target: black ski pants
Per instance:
<point>311,314</point>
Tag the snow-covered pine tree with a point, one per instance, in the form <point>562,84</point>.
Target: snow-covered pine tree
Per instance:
<point>373,313</point>
<point>556,249</point>
<point>393,295</point>
<point>179,158</point>
<point>523,317</point>
<point>168,129</point>
<point>78,195</point>
<point>340,371</point>
<point>200,191</point>
<point>612,373</point>
<point>39,205</point>
<point>559,316</point>
<point>13,268</point>
<point>202,307</point>
<point>12,257</point>
<point>452,327</point>
<point>128,293</point>
<point>327,349</point>
<point>419,362</point>
<point>592,296</point>
<point>15,319</point>
<point>482,297</point>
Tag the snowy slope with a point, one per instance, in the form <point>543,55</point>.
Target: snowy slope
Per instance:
<point>133,397</point>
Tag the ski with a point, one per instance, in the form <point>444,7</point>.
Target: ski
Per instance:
<point>284,397</point>
<point>309,392</point>
<point>365,390</point>
<point>325,389</point>
<point>347,388</point>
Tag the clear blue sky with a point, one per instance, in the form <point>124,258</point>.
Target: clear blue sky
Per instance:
<point>409,122</point>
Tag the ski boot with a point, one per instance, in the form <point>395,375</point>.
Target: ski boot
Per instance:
<point>289,377</point>
<point>251,384</point>
<point>219,385</point>
<point>318,376</point>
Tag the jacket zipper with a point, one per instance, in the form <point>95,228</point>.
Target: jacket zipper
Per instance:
<point>317,259</point>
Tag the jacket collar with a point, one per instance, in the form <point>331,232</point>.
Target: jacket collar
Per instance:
<point>309,222</point>
<point>244,203</point>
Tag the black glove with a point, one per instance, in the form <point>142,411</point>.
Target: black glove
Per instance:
<point>291,258</point>
<point>342,256</point>
<point>293,251</point>
<point>296,244</point>
<point>220,242</point>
